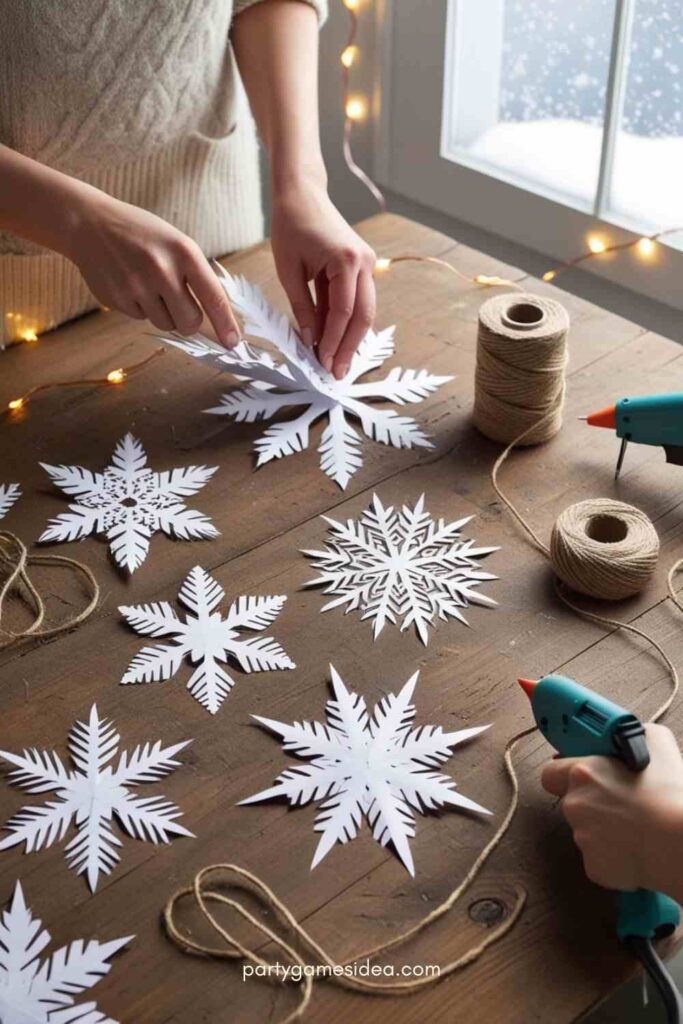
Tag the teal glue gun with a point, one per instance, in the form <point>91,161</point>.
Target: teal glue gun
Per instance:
<point>578,722</point>
<point>653,419</point>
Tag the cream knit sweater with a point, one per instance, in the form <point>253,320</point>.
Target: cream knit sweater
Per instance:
<point>140,98</point>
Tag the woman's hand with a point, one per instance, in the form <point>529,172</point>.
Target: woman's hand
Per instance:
<point>628,825</point>
<point>137,263</point>
<point>312,242</point>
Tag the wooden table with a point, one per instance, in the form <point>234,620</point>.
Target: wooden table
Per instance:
<point>562,957</point>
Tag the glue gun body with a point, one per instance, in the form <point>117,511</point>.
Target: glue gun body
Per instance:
<point>654,420</point>
<point>578,722</point>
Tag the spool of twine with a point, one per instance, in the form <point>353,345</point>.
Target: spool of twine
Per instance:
<point>604,548</point>
<point>521,360</point>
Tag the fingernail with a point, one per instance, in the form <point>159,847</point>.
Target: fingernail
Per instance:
<point>232,339</point>
<point>326,362</point>
<point>307,337</point>
<point>341,371</point>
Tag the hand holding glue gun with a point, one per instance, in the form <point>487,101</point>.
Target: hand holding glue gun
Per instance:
<point>621,786</point>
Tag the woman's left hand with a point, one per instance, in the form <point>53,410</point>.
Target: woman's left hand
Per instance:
<point>312,242</point>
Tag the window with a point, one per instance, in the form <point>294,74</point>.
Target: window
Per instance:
<point>542,121</point>
<point>580,100</point>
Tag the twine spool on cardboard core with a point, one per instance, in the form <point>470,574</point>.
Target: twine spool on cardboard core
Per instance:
<point>521,360</point>
<point>604,548</point>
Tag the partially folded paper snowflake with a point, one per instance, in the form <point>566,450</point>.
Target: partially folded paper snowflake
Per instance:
<point>299,380</point>
<point>8,495</point>
<point>375,766</point>
<point>42,992</point>
<point>90,795</point>
<point>206,638</point>
<point>128,502</point>
<point>395,564</point>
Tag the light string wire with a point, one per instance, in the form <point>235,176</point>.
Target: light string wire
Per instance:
<point>347,59</point>
<point>114,377</point>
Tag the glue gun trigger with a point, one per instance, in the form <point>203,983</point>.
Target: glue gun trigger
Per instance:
<point>674,454</point>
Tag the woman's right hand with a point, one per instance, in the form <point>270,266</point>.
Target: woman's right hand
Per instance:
<point>137,263</point>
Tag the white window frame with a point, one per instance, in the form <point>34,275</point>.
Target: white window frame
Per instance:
<point>409,146</point>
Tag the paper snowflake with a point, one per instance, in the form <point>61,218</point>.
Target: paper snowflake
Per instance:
<point>299,380</point>
<point>42,992</point>
<point>206,638</point>
<point>8,495</point>
<point>375,766</point>
<point>128,502</point>
<point>401,564</point>
<point>90,795</point>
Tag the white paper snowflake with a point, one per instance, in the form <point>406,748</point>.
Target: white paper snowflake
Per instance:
<point>8,495</point>
<point>206,638</point>
<point>401,564</point>
<point>128,502</point>
<point>375,766</point>
<point>300,380</point>
<point>42,992</point>
<point>90,795</point>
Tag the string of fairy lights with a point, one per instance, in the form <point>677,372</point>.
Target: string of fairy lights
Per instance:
<point>356,109</point>
<point>16,406</point>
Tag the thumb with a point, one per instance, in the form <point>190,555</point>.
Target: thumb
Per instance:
<point>295,284</point>
<point>556,773</point>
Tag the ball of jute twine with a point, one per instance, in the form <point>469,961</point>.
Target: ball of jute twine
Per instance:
<point>520,375</point>
<point>604,548</point>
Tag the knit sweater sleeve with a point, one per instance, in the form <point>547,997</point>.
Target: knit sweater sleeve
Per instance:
<point>320,7</point>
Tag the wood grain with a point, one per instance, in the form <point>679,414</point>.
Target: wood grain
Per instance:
<point>562,957</point>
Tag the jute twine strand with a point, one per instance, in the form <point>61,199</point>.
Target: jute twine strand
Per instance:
<point>16,562</point>
<point>520,373</point>
<point>203,893</point>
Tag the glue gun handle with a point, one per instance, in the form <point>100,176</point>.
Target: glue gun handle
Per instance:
<point>649,915</point>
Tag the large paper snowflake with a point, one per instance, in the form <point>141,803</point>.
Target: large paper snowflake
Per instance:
<point>90,795</point>
<point>375,766</point>
<point>8,495</point>
<point>206,638</point>
<point>401,564</point>
<point>300,380</point>
<point>42,992</point>
<point>128,502</point>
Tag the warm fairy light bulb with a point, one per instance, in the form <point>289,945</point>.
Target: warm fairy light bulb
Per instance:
<point>646,247</point>
<point>16,403</point>
<point>355,108</point>
<point>383,263</point>
<point>596,244</point>
<point>349,56</point>
<point>549,275</point>
<point>116,376</point>
<point>351,5</point>
<point>29,335</point>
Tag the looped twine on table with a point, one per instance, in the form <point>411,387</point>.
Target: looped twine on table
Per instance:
<point>16,562</point>
<point>338,972</point>
<point>521,360</point>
